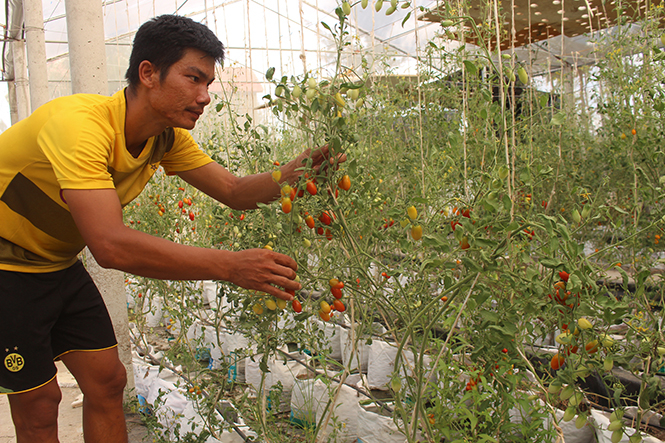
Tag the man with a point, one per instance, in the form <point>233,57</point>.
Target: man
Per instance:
<point>65,174</point>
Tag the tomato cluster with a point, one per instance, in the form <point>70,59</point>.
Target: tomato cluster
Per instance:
<point>561,295</point>
<point>325,311</point>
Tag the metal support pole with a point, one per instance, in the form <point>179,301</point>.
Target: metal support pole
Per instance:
<point>87,61</point>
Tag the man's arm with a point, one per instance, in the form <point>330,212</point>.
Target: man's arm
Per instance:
<point>245,192</point>
<point>98,216</point>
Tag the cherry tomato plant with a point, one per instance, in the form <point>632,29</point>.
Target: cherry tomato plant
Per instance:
<point>507,254</point>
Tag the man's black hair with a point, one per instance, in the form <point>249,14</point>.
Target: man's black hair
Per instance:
<point>163,41</point>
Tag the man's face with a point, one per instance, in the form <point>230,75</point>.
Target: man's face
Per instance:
<point>180,97</point>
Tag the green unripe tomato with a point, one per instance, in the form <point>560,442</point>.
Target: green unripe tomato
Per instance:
<point>608,364</point>
<point>576,399</point>
<point>567,392</point>
<point>617,436</point>
<point>616,415</point>
<point>554,388</point>
<point>581,421</point>
<point>523,76</point>
<point>615,425</point>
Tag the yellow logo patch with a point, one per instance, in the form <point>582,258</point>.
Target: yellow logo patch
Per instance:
<point>14,362</point>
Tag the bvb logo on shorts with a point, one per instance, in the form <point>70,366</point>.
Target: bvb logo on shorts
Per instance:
<point>14,362</point>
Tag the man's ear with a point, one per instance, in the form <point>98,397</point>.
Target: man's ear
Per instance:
<point>148,75</point>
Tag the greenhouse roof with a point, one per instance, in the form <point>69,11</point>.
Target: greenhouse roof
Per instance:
<point>538,20</point>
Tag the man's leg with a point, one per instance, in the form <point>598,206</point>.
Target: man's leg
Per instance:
<point>35,414</point>
<point>102,378</point>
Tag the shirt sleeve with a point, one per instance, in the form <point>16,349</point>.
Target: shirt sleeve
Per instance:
<point>78,146</point>
<point>185,154</point>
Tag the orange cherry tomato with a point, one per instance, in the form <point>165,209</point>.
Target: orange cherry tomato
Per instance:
<point>339,306</point>
<point>286,205</point>
<point>335,283</point>
<point>557,361</point>
<point>345,183</point>
<point>297,307</point>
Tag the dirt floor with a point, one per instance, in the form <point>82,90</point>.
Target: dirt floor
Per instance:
<point>69,422</point>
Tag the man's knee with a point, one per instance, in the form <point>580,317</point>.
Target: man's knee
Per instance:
<point>35,413</point>
<point>100,375</point>
<point>109,383</point>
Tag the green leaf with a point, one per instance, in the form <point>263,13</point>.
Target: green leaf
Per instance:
<point>470,67</point>
<point>531,274</point>
<point>490,316</point>
<point>551,263</point>
<point>558,118</point>
<point>543,100</point>
<point>406,18</point>
<point>269,73</point>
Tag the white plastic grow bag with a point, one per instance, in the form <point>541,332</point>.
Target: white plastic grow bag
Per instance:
<point>374,427</point>
<point>282,370</point>
<point>233,346</point>
<point>305,403</point>
<point>344,411</point>
<point>381,364</point>
<point>570,432</point>
<point>332,334</point>
<point>358,360</point>
<point>602,420</point>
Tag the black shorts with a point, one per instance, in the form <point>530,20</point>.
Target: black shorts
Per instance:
<point>42,317</point>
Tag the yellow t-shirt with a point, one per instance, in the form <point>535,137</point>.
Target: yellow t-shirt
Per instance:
<point>73,142</point>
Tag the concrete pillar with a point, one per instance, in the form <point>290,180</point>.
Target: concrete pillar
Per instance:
<point>87,49</point>
<point>21,85</point>
<point>18,86</point>
<point>34,37</point>
<point>111,284</point>
<point>87,61</point>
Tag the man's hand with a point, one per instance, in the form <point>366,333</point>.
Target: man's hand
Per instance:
<point>266,271</point>
<point>319,157</point>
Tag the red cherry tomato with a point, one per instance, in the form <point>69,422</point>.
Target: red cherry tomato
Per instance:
<point>311,187</point>
<point>325,218</point>
<point>337,293</point>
